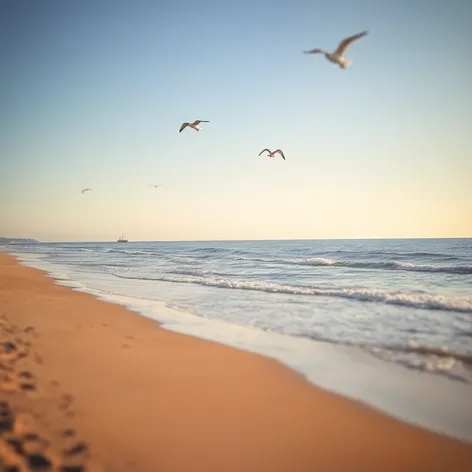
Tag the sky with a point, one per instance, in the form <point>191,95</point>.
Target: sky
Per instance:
<point>93,92</point>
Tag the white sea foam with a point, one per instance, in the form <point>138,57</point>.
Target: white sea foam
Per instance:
<point>385,265</point>
<point>415,300</point>
<point>416,397</point>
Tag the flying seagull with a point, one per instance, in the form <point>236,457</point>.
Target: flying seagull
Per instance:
<point>158,185</point>
<point>337,56</point>
<point>193,125</point>
<point>87,190</point>
<point>272,153</point>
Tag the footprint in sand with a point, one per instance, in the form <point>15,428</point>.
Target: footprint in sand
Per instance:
<point>38,359</point>
<point>66,401</point>
<point>25,374</point>
<point>32,331</point>
<point>6,417</point>
<point>11,381</point>
<point>12,350</point>
<point>67,433</point>
<point>77,449</point>
<point>23,448</point>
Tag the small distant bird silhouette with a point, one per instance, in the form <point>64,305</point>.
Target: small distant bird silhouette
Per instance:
<point>157,185</point>
<point>337,56</point>
<point>193,125</point>
<point>87,190</point>
<point>272,153</point>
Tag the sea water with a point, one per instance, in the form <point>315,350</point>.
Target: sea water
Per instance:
<point>388,322</point>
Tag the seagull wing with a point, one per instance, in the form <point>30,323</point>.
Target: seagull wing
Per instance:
<point>197,122</point>
<point>184,125</point>
<point>315,51</point>
<point>87,190</point>
<point>345,43</point>
<point>281,153</point>
<point>268,150</point>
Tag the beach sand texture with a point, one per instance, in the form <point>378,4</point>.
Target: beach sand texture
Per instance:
<point>88,385</point>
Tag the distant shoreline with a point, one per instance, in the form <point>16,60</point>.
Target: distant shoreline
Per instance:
<point>17,240</point>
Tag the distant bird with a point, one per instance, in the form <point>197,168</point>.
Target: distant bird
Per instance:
<point>193,125</point>
<point>272,153</point>
<point>87,190</point>
<point>337,56</point>
<point>158,185</point>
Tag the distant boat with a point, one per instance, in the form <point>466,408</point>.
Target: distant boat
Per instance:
<point>121,239</point>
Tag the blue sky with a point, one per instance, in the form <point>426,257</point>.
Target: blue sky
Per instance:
<point>93,93</point>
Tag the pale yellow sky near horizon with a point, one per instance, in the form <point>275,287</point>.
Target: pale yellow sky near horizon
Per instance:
<point>241,212</point>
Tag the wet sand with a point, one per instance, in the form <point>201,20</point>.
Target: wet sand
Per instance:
<point>88,385</point>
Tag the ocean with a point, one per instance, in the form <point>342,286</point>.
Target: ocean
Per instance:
<point>384,309</point>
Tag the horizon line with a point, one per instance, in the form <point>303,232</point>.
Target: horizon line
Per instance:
<point>238,240</point>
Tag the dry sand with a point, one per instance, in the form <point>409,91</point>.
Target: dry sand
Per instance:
<point>84,382</point>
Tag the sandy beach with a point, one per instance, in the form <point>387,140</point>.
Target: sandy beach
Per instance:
<point>87,385</point>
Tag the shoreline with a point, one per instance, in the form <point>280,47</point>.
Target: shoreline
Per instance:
<point>349,371</point>
<point>177,402</point>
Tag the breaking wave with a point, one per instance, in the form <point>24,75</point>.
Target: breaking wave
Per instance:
<point>386,265</point>
<point>431,351</point>
<point>414,300</point>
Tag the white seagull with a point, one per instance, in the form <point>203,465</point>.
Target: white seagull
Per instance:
<point>272,153</point>
<point>337,56</point>
<point>87,190</point>
<point>193,125</point>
